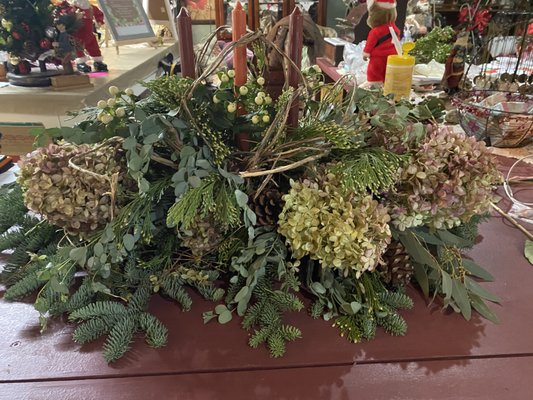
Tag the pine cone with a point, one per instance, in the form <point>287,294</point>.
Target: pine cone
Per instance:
<point>267,206</point>
<point>396,268</point>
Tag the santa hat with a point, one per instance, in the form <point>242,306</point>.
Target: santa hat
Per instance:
<point>388,4</point>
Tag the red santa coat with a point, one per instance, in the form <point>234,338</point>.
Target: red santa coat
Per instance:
<point>379,49</point>
<point>86,35</point>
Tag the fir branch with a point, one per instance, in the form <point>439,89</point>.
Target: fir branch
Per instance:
<point>316,309</point>
<point>394,324</point>
<point>98,309</point>
<point>141,297</point>
<point>24,286</point>
<point>120,338</point>
<point>90,330</point>
<point>156,332</point>
<point>396,300</point>
<point>11,240</point>
<point>12,208</point>
<point>82,297</point>
<point>173,288</point>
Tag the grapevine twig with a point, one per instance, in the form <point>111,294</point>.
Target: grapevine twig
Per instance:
<point>512,221</point>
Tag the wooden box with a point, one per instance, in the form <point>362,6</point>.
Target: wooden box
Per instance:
<point>15,138</point>
<point>334,50</point>
<point>67,82</point>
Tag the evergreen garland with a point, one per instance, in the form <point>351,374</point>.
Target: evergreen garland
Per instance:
<point>265,318</point>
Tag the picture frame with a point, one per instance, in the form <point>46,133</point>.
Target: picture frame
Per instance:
<point>160,13</point>
<point>127,21</point>
<point>202,12</point>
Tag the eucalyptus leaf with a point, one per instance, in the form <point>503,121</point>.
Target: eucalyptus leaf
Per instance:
<point>79,255</point>
<point>450,238</point>
<point>151,139</point>
<point>208,316</point>
<point>447,285</point>
<point>129,143</point>
<point>129,241</point>
<point>480,306</point>
<point>427,237</point>
<point>135,162</point>
<point>421,277</point>
<point>194,181</point>
<point>242,293</point>
<point>57,286</point>
<point>100,287</point>
<point>460,296</point>
<point>528,250</point>
<point>416,250</point>
<point>220,308</point>
<point>480,291</point>
<point>98,249</point>
<point>225,317</point>
<point>139,114</point>
<point>476,270</point>
<point>318,288</point>
<point>144,185</point>
<point>355,306</point>
<point>242,198</point>
<point>181,188</point>
<point>178,123</point>
<point>347,308</point>
<point>204,164</point>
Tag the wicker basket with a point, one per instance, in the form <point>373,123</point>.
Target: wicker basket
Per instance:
<point>502,119</point>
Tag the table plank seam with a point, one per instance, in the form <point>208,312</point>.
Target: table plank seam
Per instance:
<point>257,369</point>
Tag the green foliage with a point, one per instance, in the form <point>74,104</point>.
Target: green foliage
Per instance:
<point>436,45</point>
<point>212,197</point>
<point>156,333</point>
<point>24,286</point>
<point>265,317</point>
<point>316,310</point>
<point>440,268</point>
<point>173,288</point>
<point>469,231</point>
<point>120,323</point>
<point>12,208</point>
<point>119,339</point>
<point>169,90</point>
<point>373,169</point>
<point>358,305</point>
<point>394,324</point>
<point>396,300</point>
<point>90,330</point>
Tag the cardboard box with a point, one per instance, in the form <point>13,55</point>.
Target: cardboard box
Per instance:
<point>15,138</point>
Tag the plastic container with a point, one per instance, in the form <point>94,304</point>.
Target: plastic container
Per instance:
<point>399,74</point>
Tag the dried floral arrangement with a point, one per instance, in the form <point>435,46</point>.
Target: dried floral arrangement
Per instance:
<point>156,196</point>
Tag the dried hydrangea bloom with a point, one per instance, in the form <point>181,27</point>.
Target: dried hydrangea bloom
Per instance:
<point>341,230</point>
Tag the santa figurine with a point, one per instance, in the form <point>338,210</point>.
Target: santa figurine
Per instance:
<point>85,36</point>
<point>382,21</point>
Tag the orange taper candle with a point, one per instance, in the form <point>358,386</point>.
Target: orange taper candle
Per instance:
<point>238,28</point>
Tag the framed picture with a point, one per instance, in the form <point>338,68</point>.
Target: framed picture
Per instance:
<point>127,21</point>
<point>160,12</point>
<point>201,11</point>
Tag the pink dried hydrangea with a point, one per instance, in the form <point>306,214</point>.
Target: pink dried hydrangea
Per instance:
<point>449,178</point>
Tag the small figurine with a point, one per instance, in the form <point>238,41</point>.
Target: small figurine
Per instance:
<point>64,46</point>
<point>86,37</point>
<point>382,19</point>
<point>454,66</point>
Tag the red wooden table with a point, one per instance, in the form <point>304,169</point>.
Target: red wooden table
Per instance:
<point>441,357</point>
